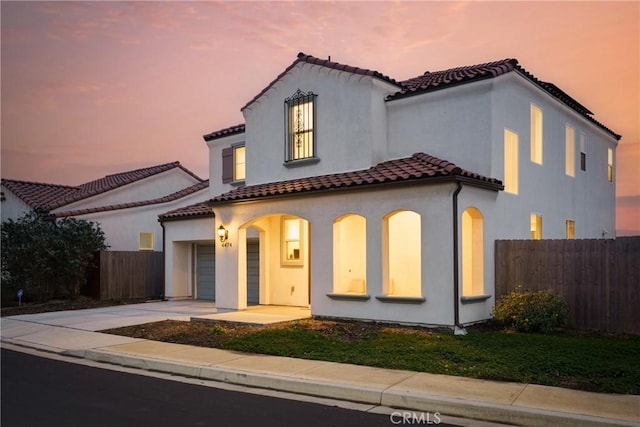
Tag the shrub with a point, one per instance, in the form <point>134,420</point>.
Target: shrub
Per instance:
<point>531,311</point>
<point>47,257</point>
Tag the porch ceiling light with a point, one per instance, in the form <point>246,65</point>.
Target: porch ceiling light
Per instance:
<point>223,233</point>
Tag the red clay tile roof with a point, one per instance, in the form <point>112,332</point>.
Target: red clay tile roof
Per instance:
<point>418,168</point>
<point>38,195</point>
<point>432,81</point>
<point>197,210</point>
<point>224,132</point>
<point>169,198</point>
<point>302,57</point>
<point>51,196</point>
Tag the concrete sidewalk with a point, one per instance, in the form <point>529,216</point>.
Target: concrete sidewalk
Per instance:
<point>72,333</point>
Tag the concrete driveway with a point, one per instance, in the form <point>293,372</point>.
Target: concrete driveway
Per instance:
<point>96,319</point>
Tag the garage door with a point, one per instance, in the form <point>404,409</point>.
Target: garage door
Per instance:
<point>206,272</point>
<point>253,271</point>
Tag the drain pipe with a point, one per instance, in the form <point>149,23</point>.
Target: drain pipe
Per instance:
<point>458,328</point>
<point>164,262</point>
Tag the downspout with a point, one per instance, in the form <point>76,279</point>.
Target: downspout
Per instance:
<point>458,328</point>
<point>164,262</point>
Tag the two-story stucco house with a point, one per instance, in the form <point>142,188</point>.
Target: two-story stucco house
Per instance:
<point>365,197</point>
<point>125,204</point>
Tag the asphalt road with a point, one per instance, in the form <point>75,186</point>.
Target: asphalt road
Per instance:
<point>39,392</point>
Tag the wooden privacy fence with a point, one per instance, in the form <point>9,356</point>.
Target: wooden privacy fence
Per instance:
<point>600,279</point>
<point>122,274</point>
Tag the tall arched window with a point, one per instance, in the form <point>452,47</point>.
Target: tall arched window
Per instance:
<point>350,255</point>
<point>402,256</point>
<point>472,253</point>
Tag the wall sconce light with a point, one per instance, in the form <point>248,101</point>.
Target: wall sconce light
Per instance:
<point>223,234</point>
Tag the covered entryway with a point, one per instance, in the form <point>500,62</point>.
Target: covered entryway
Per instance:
<point>205,271</point>
<point>272,262</point>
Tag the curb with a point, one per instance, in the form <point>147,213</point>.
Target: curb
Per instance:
<point>401,399</point>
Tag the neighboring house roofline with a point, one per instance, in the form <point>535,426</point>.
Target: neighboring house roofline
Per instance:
<point>232,130</point>
<point>46,196</point>
<point>308,59</point>
<point>420,168</point>
<point>38,195</point>
<point>195,211</point>
<point>165,199</point>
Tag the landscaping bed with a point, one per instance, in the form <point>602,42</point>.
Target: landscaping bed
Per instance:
<point>591,362</point>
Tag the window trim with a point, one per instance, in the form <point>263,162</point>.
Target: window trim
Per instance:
<point>570,229</point>
<point>235,147</point>
<point>536,136</point>
<point>538,229</point>
<point>228,156</point>
<point>140,240</point>
<point>300,98</point>
<point>284,260</point>
<point>569,151</point>
<point>583,152</point>
<point>610,169</point>
<point>511,162</point>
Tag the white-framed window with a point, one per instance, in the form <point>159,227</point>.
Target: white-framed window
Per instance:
<point>569,151</point>
<point>536,134</point>
<point>234,169</point>
<point>292,241</point>
<point>536,226</point>
<point>510,162</point>
<point>239,163</point>
<point>472,252</point>
<point>350,254</point>
<point>570,227</point>
<point>300,126</point>
<point>610,165</point>
<point>145,241</point>
<point>402,254</point>
<point>583,151</point>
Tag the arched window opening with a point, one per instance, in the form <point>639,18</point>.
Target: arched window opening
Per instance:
<point>472,253</point>
<point>350,255</point>
<point>403,254</point>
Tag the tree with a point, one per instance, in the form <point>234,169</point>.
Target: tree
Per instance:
<point>48,257</point>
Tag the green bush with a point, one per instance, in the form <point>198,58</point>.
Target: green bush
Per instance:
<point>46,257</point>
<point>531,311</point>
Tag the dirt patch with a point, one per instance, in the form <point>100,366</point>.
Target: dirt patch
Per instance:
<point>207,334</point>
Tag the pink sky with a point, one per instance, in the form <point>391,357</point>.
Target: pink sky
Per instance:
<point>92,88</point>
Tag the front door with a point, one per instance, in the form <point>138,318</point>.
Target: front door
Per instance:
<point>253,271</point>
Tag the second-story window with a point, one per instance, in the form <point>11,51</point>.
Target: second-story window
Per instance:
<point>239,165</point>
<point>300,126</point>
<point>536,134</point>
<point>570,151</point>
<point>583,152</point>
<point>234,164</point>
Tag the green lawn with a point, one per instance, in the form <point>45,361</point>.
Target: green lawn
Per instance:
<point>586,362</point>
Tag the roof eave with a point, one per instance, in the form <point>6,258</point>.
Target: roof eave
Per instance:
<point>409,182</point>
<point>186,217</point>
<point>399,95</point>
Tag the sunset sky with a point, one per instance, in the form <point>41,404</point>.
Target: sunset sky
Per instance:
<point>92,88</point>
